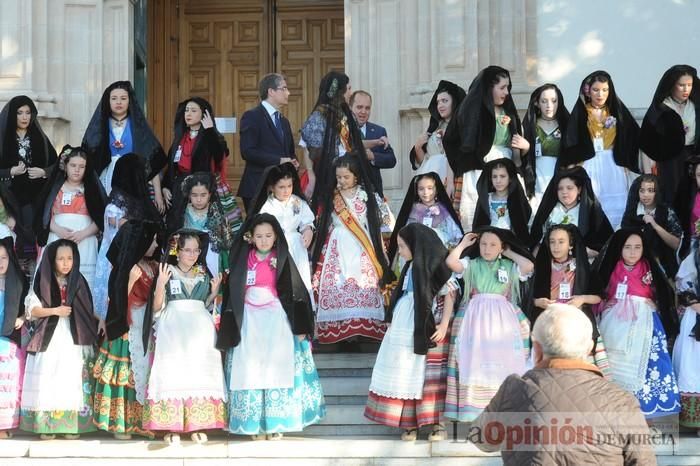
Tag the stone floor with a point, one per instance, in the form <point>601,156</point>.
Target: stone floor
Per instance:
<point>336,450</point>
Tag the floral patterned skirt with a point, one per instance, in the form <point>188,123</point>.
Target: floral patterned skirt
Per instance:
<point>116,407</point>
<point>58,385</point>
<point>349,299</point>
<point>11,375</point>
<point>659,396</point>
<point>269,411</point>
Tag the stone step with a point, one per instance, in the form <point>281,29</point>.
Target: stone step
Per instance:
<point>338,386</point>
<point>341,450</point>
<point>346,399</point>
<point>373,430</point>
<point>345,415</point>
<point>344,360</point>
<point>349,372</point>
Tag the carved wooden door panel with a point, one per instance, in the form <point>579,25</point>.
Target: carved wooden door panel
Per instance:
<point>310,42</point>
<point>219,50</point>
<point>223,54</point>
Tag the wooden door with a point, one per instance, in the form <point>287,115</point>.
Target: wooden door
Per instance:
<point>310,42</point>
<point>220,49</point>
<point>223,55</point>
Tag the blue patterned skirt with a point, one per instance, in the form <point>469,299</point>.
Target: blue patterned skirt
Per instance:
<point>659,396</point>
<point>270,411</point>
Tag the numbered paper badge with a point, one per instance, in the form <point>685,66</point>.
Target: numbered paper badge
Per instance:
<point>621,292</point>
<point>598,144</point>
<point>428,221</point>
<point>178,154</point>
<point>175,287</point>
<point>250,277</point>
<point>502,275</point>
<point>564,291</point>
<point>67,199</point>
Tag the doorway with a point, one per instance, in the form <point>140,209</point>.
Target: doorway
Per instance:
<point>219,50</point>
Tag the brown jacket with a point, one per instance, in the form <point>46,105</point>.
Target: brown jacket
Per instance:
<point>609,425</point>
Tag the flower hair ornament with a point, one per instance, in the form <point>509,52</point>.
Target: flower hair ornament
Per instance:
<point>173,245</point>
<point>64,155</point>
<point>333,89</point>
<point>587,90</point>
<point>185,183</point>
<point>248,237</point>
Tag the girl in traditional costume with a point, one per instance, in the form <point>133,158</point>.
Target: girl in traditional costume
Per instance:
<point>129,200</point>
<point>689,201</point>
<point>637,318</point>
<point>603,136</point>
<point>428,154</point>
<point>409,380</point>
<point>198,207</point>
<point>58,385</point>
<point>119,127</point>
<point>662,230</point>
<point>121,368</point>
<point>199,147</point>
<point>185,391</point>
<point>488,129</point>
<point>72,207</point>
<point>13,290</point>
<point>331,132</point>
<point>10,214</point>
<point>686,350</point>
<point>266,327</point>
<point>350,260</point>
<point>27,157</point>
<point>563,275</point>
<point>544,127</point>
<point>280,195</point>
<point>670,132</point>
<point>502,202</point>
<point>490,333</point>
<point>569,199</point>
<point>426,202</point>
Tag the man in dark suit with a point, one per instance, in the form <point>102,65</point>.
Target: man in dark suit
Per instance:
<point>266,136</point>
<point>376,142</point>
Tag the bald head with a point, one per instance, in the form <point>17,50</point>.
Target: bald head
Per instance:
<point>563,331</point>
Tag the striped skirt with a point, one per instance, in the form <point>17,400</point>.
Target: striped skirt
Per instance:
<point>464,402</point>
<point>410,414</point>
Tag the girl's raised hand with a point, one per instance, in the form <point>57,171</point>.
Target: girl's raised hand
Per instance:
<point>164,274</point>
<point>469,239</point>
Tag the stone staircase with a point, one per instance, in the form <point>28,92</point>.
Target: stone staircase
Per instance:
<point>343,438</point>
<point>345,379</point>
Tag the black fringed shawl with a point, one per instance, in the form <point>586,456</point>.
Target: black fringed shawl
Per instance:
<point>291,290</point>
<point>83,323</point>
<point>577,145</point>
<point>430,273</point>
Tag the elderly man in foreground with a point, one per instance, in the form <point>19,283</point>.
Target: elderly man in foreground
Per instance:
<point>563,411</point>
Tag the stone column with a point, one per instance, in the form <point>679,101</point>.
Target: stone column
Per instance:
<point>62,54</point>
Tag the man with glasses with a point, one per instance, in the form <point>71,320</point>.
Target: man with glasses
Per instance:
<point>266,136</point>
<point>379,151</point>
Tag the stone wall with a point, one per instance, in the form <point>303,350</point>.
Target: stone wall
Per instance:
<point>399,50</point>
<point>62,54</point>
